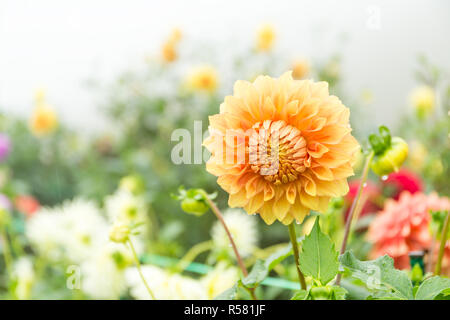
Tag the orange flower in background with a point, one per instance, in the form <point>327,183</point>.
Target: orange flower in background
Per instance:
<point>300,69</point>
<point>169,48</point>
<point>43,120</point>
<point>281,147</point>
<point>168,51</point>
<point>403,226</point>
<point>27,204</point>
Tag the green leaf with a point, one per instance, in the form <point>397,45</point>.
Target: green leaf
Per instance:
<point>256,276</point>
<point>385,135</point>
<point>380,276</point>
<point>318,258</point>
<point>300,295</point>
<point>432,287</point>
<point>355,292</point>
<point>384,296</point>
<point>229,294</point>
<point>278,256</point>
<point>376,143</point>
<point>444,295</point>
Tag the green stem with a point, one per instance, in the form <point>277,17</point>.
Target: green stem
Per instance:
<point>7,253</point>
<point>437,270</point>
<point>193,253</point>
<point>293,237</point>
<point>430,254</point>
<point>138,265</point>
<point>355,203</point>
<point>154,222</point>
<point>219,216</point>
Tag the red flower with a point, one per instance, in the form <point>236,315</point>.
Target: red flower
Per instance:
<point>27,204</point>
<point>403,180</point>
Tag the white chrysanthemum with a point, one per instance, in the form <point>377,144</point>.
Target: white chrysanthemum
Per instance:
<point>165,286</point>
<point>87,229</point>
<point>243,229</point>
<point>25,276</point>
<point>73,230</point>
<point>103,275</point>
<point>125,206</point>
<point>219,279</point>
<point>45,232</point>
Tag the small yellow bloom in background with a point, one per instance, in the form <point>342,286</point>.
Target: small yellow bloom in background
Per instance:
<point>423,100</point>
<point>418,155</point>
<point>265,37</point>
<point>169,48</point>
<point>300,68</point>
<point>203,78</point>
<point>176,35</point>
<point>43,120</point>
<point>39,96</point>
<point>169,53</point>
<point>281,147</point>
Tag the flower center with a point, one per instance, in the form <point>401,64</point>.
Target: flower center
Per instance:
<point>277,151</point>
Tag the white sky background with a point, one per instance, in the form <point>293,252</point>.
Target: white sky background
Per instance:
<point>59,44</point>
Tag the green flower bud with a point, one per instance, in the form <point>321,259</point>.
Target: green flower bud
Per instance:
<point>391,158</point>
<point>193,206</point>
<point>193,201</point>
<point>321,293</point>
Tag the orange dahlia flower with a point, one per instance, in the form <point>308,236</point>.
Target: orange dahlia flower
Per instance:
<point>403,226</point>
<point>281,147</point>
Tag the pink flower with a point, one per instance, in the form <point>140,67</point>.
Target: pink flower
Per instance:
<point>403,180</point>
<point>403,226</point>
<point>5,203</point>
<point>5,146</point>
